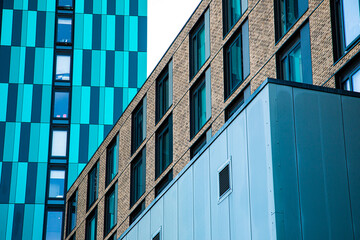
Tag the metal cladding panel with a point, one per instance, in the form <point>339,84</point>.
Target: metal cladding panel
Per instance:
<point>260,167</point>
<point>286,189</point>
<point>324,199</point>
<point>352,140</point>
<point>202,220</point>
<point>144,227</point>
<point>239,198</point>
<point>220,226</point>
<point>156,216</point>
<point>186,205</point>
<point>170,214</point>
<point>133,234</point>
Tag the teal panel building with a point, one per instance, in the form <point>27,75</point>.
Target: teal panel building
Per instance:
<point>68,69</point>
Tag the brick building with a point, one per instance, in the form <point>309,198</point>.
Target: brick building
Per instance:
<point>222,55</point>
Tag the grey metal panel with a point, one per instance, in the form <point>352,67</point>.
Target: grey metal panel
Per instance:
<point>186,205</point>
<point>351,117</point>
<point>156,216</point>
<point>208,92</point>
<point>245,48</point>
<point>170,214</point>
<point>219,211</point>
<point>207,33</point>
<point>260,171</point>
<point>132,235</point>
<point>244,5</point>
<point>202,198</point>
<point>170,76</point>
<point>322,170</point>
<point>286,190</point>
<point>144,228</point>
<point>239,198</point>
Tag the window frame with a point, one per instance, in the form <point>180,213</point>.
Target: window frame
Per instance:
<point>114,147</point>
<point>55,167</point>
<point>285,55</point>
<point>71,8</point>
<point>226,6</point>
<point>90,203</point>
<point>55,208</point>
<point>61,90</point>
<point>60,82</point>
<point>140,159</point>
<point>135,132</point>
<point>64,14</point>
<point>347,72</point>
<point>58,158</point>
<point>89,218</point>
<point>194,91</point>
<point>107,227</point>
<point>166,126</point>
<point>228,191</point>
<point>164,182</point>
<point>163,107</point>
<point>73,198</point>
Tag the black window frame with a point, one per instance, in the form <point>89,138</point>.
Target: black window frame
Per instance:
<point>162,105</point>
<point>226,9</point>
<point>107,227</point>
<point>60,119</point>
<point>139,159</point>
<point>70,206</point>
<point>94,170</point>
<point>136,212</point>
<point>166,127</point>
<point>200,25</point>
<point>284,54</point>
<point>137,134</point>
<point>112,148</point>
<point>162,184</point>
<point>346,73</point>
<point>57,158</point>
<point>200,83</point>
<point>56,167</point>
<point>63,52</point>
<point>90,217</point>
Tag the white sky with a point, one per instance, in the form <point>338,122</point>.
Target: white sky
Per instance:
<point>165,20</point>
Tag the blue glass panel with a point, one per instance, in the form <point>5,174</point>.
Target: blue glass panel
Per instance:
<point>65,3</point>
<point>64,30</point>
<point>38,221</point>
<point>31,35</point>
<point>56,187</point>
<point>61,105</point>
<point>6,170</point>
<point>295,65</point>
<point>3,100</point>
<point>36,103</point>
<point>133,7</point>
<point>94,103</point>
<point>351,20</point>
<point>110,68</point>
<point>53,225</point>
<point>84,140</point>
<point>4,63</point>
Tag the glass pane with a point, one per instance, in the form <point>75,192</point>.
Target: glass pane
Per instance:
<point>64,30</point>
<point>351,20</point>
<point>346,85</point>
<point>235,12</point>
<point>65,3</point>
<point>282,17</point>
<point>295,65</point>
<point>62,67</point>
<point>202,106</point>
<point>111,211</point>
<point>73,214</point>
<point>92,229</point>
<point>166,149</point>
<point>56,187</point>
<point>291,13</point>
<point>235,65</point>
<point>356,82</point>
<point>53,225</point>
<point>92,186</point>
<point>166,94</point>
<point>201,47</point>
<point>59,143</point>
<point>61,105</point>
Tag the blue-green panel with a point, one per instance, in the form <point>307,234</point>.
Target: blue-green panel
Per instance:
<point>78,33</point>
<point>46,104</point>
<point>24,28</point>
<point>81,167</point>
<point>85,105</point>
<point>133,38</point>
<point>103,31</point>
<point>141,69</point>
<point>102,68</point>
<point>9,139</point>
<point>101,105</point>
<point>126,70</point>
<point>28,220</point>
<point>31,34</point>
<point>50,5</point>
<point>77,71</point>
<point>44,139</point>
<point>95,70</point>
<point>126,32</point>
<point>38,222</point>
<point>97,6</point>
<point>131,95</point>
<point>14,64</point>
<point>27,102</point>
<point>21,183</point>
<point>48,66</point>
<point>19,102</point>
<point>119,70</point>
<point>74,146</point>
<point>41,5</point>
<point>72,174</point>
<point>79,6</point>
<point>120,7</point>
<point>3,100</point>
<point>110,38</point>
<point>25,5</point>
<point>87,44</point>
<point>93,134</point>
<point>50,29</point>
<point>17,141</point>
<point>10,218</point>
<point>40,183</point>
<point>100,134</point>
<point>18,4</point>
<point>34,142</point>
<point>109,104</point>
<point>21,66</point>
<point>3,219</point>
<point>6,28</point>
<point>39,65</point>
<point>142,8</point>
<point>103,7</point>
<point>13,183</point>
<point>76,104</point>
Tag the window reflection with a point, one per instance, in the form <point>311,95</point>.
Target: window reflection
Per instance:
<point>56,188</point>
<point>59,142</point>
<point>53,225</point>
<point>62,67</point>
<point>61,105</point>
<point>64,30</point>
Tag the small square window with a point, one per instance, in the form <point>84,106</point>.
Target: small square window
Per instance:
<point>63,67</point>
<point>61,105</point>
<point>224,180</point>
<point>59,143</point>
<point>64,30</point>
<point>57,184</point>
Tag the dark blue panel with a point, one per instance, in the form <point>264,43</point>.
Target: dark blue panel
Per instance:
<point>29,65</point>
<point>119,33</point>
<point>84,140</point>
<point>118,99</point>
<point>36,103</point>
<point>86,70</point>
<point>18,222</point>
<point>1,9</point>
<point>142,34</point>
<point>96,32</point>
<point>133,7</point>
<point>88,6</point>
<point>8,4</point>
<point>111,7</point>
<point>94,103</point>
<point>31,183</point>
<point>306,53</point>
<point>107,129</point>
<point>12,103</point>
<point>4,63</point>
<point>16,28</point>
<point>5,182</point>
<point>303,6</point>
<point>40,28</point>
<point>2,140</point>
<point>24,142</point>
<point>32,5</point>
<point>110,64</point>
<point>133,62</point>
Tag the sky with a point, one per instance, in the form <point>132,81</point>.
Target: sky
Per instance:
<point>165,20</point>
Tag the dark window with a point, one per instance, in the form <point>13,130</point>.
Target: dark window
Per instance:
<point>113,237</point>
<point>57,184</point>
<point>68,4</point>
<point>163,147</point>
<point>224,180</point>
<point>197,48</point>
<point>200,143</point>
<point>73,237</point>
<point>112,159</point>
<point>137,177</point>
<point>54,224</point>
<point>163,183</point>
<point>163,92</point>
<point>93,185</point>
<point>137,211</point>
<point>61,105</point>
<point>233,9</point>
<point>157,236</point>
<point>64,30</point>
<point>71,213</point>
<point>138,125</point>
<point>63,63</point>
<point>110,209</point>
<point>234,106</point>
<point>351,80</point>
<point>91,226</point>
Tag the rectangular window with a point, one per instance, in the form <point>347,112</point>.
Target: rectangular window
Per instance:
<point>291,67</point>
<point>59,143</point>
<point>233,10</point>
<point>237,103</point>
<point>71,213</point>
<point>351,81</point>
<point>163,183</point>
<point>112,154</point>
<point>63,63</point>
<point>91,226</point>
<point>93,187</point>
<point>110,209</point>
<point>54,224</point>
<point>138,125</point>
<point>67,4</point>
<point>64,30</point>
<point>137,211</point>
<point>137,177</point>
<point>164,92</point>
<point>163,147</point>
<point>61,105</point>
<point>57,184</point>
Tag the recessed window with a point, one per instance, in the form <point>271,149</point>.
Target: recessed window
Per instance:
<point>163,183</point>
<point>54,224</point>
<point>138,132</point>
<point>59,143</point>
<point>164,92</point>
<point>137,177</point>
<point>112,159</point>
<point>351,80</point>
<point>61,105</point>
<point>56,186</point>
<point>233,9</point>
<point>200,143</point>
<point>93,180</point>
<point>63,67</point>
<point>291,67</point>
<point>71,213</point>
<point>237,103</point>
<point>91,226</point>
<point>137,211</point>
<point>110,209</point>
<point>64,30</point>
<point>224,180</point>
<point>163,147</point>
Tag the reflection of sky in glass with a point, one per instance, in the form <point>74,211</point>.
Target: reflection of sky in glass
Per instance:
<point>53,226</point>
<point>57,178</point>
<point>61,104</point>
<point>351,20</point>
<point>65,3</point>
<point>59,140</point>
<point>64,30</point>
<point>62,67</point>
<point>356,82</point>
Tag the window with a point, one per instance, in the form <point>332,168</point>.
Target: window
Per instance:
<point>350,81</point>
<point>61,105</point>
<point>163,147</point>
<point>112,159</point>
<point>163,183</point>
<point>91,226</point>
<point>63,67</point>
<point>54,224</point>
<point>233,9</point>
<point>93,185</point>
<point>200,104</point>
<point>137,177</point>
<point>137,211</point>
<point>65,3</point>
<point>199,44</point>
<point>164,92</point>
<point>200,143</point>
<point>237,60</point>
<point>110,209</point>
<point>59,143</point>
<point>64,30</point>
<point>138,125</point>
<point>71,213</point>
<point>291,67</point>
<point>57,184</point>
<point>224,180</point>
<point>287,12</point>
<point>237,103</point>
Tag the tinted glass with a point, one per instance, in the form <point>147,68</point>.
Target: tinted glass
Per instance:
<point>61,105</point>
<point>198,112</point>
<point>289,14</point>
<point>356,82</point>
<point>64,29</point>
<point>234,74</point>
<point>197,49</point>
<point>72,213</point>
<point>53,225</point>
<point>65,3</point>
<point>295,65</point>
<point>162,96</point>
<point>163,147</point>
<point>91,228</point>
<point>92,186</point>
<point>111,159</point>
<point>56,186</point>
<point>233,13</point>
<point>59,143</point>
<point>351,15</point>
<point>62,67</point>
<point>137,130</point>
<point>111,211</point>
<point>137,179</point>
